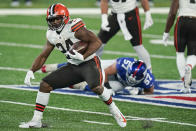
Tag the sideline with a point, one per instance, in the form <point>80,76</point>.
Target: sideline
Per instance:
<point>73,11</point>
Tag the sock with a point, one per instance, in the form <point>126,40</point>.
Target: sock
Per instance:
<point>180,61</point>
<point>41,102</point>
<point>106,97</point>
<point>99,52</point>
<point>191,60</point>
<point>143,55</point>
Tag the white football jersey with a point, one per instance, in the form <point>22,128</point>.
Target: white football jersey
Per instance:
<point>65,39</point>
<point>122,6</point>
<point>187,8</point>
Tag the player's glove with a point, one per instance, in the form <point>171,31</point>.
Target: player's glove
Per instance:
<point>28,77</point>
<point>104,23</point>
<point>148,20</point>
<point>135,90</point>
<point>165,38</point>
<point>76,55</point>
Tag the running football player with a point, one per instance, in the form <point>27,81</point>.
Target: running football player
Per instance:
<point>62,33</point>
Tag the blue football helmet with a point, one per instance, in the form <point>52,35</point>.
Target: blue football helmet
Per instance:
<point>136,72</point>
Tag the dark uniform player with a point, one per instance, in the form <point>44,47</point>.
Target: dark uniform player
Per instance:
<point>62,33</point>
<point>125,16</point>
<point>184,36</point>
<point>119,76</point>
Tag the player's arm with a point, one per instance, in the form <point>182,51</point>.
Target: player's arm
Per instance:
<point>110,70</point>
<point>87,36</point>
<point>148,18</point>
<point>40,60</point>
<point>145,5</point>
<point>149,91</point>
<point>104,6</point>
<point>172,15</point>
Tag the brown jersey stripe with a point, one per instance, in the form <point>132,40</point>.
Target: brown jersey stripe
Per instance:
<point>99,68</point>
<point>175,34</point>
<point>109,101</point>
<point>77,26</point>
<point>139,24</point>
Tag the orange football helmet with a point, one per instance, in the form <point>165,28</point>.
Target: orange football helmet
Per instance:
<point>57,12</point>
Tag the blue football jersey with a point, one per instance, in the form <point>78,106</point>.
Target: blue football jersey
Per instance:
<point>122,65</point>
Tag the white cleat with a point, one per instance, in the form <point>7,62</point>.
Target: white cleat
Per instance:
<point>185,90</point>
<point>120,119</point>
<point>187,79</point>
<point>32,124</point>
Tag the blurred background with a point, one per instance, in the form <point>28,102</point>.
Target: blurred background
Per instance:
<point>69,3</point>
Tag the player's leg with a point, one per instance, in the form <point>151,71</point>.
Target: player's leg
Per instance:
<point>191,51</point>
<point>51,67</point>
<point>134,27</point>
<point>180,40</point>
<point>56,79</point>
<point>95,79</point>
<point>105,36</point>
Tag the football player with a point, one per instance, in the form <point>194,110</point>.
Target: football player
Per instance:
<point>62,33</point>
<point>125,17</point>
<point>125,73</point>
<point>184,37</point>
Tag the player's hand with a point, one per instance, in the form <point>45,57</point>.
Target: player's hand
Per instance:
<point>76,55</point>
<point>148,20</point>
<point>104,23</point>
<point>132,90</point>
<point>165,38</point>
<point>28,77</point>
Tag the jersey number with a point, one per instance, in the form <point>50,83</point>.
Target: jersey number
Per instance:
<point>147,79</point>
<point>119,0</point>
<point>192,1</point>
<point>68,43</point>
<point>125,64</point>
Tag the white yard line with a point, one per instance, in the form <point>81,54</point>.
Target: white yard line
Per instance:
<point>16,69</point>
<point>105,51</point>
<point>96,122</point>
<point>37,27</point>
<point>73,11</point>
<point>101,113</point>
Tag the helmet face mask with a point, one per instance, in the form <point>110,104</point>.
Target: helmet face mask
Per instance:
<point>137,72</point>
<point>57,16</point>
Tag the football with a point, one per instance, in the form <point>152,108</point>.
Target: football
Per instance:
<point>79,46</point>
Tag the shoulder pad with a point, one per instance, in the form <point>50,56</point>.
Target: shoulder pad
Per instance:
<point>50,36</point>
<point>76,24</point>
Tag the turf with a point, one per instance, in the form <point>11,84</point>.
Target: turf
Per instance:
<point>22,57</point>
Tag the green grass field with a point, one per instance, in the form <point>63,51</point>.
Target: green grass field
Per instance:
<point>18,32</point>
<point>70,3</point>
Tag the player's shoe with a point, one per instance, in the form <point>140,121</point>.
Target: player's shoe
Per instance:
<point>49,68</point>
<point>119,117</point>
<point>32,124</point>
<point>187,79</point>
